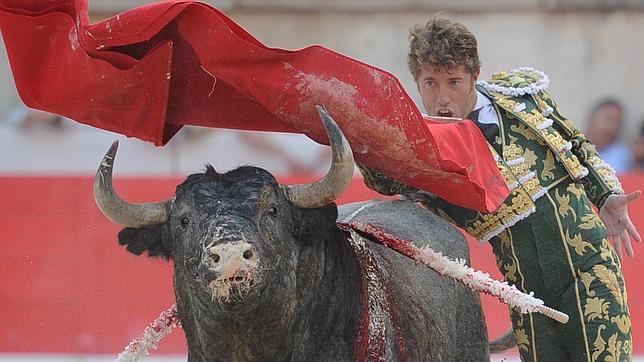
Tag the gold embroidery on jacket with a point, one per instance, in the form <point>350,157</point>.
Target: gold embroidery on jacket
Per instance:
<point>587,279</point>
<point>543,126</point>
<point>564,205</point>
<point>609,279</point>
<point>576,190</point>
<point>590,221</point>
<point>623,322</point>
<point>614,349</point>
<point>578,243</point>
<point>522,339</point>
<point>596,308</point>
<point>548,167</point>
<point>527,133</point>
<point>606,250</point>
<point>511,271</point>
<point>599,344</point>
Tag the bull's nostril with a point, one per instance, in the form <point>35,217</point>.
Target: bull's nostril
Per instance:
<point>248,254</point>
<point>215,258</point>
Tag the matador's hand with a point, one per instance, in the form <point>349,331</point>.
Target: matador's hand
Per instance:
<point>614,214</point>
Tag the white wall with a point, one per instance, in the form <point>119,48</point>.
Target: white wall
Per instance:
<point>588,54</point>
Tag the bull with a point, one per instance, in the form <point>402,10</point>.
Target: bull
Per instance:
<point>263,272</point>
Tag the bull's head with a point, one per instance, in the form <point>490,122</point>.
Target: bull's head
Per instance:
<point>226,231</point>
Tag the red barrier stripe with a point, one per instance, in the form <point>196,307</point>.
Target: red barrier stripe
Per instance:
<point>68,287</point>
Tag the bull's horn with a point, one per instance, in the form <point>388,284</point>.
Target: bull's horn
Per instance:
<point>337,179</point>
<point>127,214</point>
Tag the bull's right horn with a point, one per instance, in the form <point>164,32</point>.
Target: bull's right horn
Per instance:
<point>338,178</point>
<point>132,215</point>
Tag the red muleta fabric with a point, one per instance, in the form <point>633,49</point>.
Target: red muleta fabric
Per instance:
<point>149,71</point>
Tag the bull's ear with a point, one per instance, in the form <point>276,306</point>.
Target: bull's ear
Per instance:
<point>150,238</point>
<point>317,221</point>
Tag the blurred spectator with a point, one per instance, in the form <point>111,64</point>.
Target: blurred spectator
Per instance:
<point>638,149</point>
<point>603,128</point>
<point>283,154</point>
<point>25,118</point>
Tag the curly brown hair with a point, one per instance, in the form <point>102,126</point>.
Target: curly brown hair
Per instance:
<point>442,42</point>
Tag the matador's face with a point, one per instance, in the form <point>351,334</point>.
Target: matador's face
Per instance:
<point>447,93</point>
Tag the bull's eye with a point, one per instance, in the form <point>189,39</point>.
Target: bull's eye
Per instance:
<point>272,211</point>
<point>185,221</point>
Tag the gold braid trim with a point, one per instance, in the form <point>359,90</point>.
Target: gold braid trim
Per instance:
<point>520,207</point>
<point>516,172</point>
<point>542,105</point>
<point>606,172</point>
<point>525,189</point>
<point>508,176</point>
<point>543,126</point>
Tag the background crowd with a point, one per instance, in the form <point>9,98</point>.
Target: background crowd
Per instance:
<point>604,126</point>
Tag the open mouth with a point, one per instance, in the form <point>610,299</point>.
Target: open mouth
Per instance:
<point>235,287</point>
<point>444,113</point>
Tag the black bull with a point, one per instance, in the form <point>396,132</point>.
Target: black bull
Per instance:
<point>263,272</point>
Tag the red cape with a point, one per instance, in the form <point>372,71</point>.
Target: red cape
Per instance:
<point>147,72</point>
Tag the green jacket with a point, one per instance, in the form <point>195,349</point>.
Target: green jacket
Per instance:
<point>540,150</point>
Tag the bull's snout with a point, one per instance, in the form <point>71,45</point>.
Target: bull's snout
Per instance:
<point>234,266</point>
<point>227,253</point>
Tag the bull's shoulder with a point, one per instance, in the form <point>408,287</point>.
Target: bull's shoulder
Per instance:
<point>409,221</point>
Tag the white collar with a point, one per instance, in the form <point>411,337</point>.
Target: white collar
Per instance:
<point>481,100</point>
<point>487,113</point>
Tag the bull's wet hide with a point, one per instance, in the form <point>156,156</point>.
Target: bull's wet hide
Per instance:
<point>300,283</point>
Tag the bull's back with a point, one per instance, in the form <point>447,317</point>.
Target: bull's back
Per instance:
<point>409,221</point>
<point>436,318</point>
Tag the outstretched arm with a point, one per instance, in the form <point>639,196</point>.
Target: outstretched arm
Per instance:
<point>620,228</point>
<point>601,184</point>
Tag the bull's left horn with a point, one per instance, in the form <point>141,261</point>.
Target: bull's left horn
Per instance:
<point>338,178</point>
<point>132,215</point>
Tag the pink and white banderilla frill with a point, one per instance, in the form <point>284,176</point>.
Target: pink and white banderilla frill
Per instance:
<point>455,269</point>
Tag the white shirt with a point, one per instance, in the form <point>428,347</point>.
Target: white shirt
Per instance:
<point>487,114</point>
